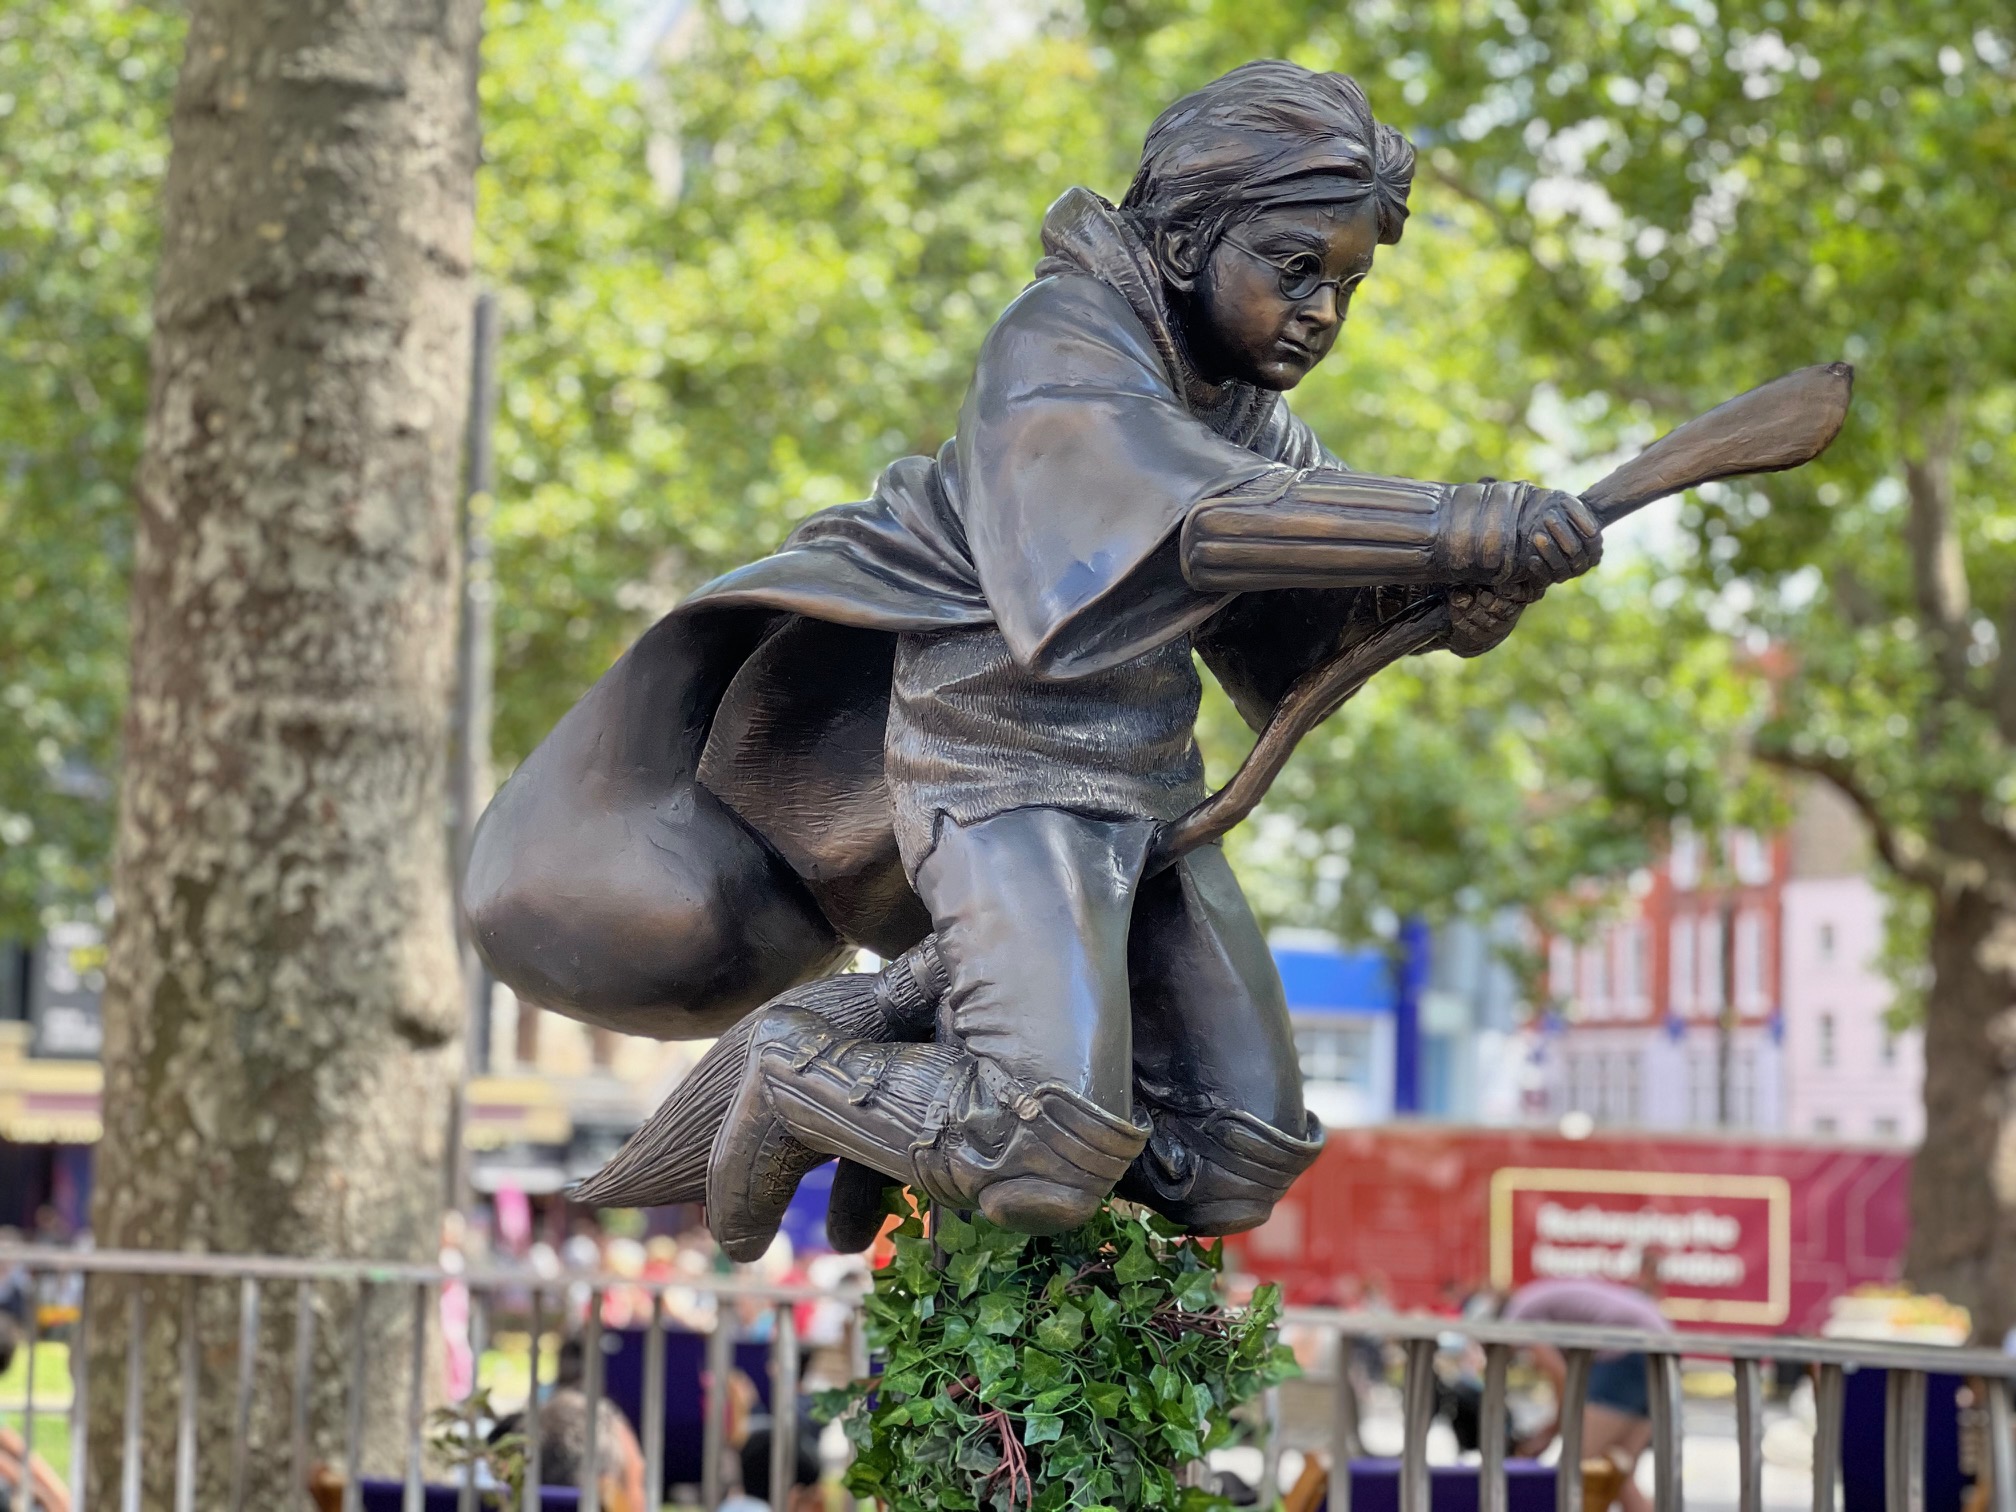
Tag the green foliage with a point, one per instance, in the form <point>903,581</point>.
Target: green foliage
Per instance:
<point>454,1439</point>
<point>737,290</point>
<point>1074,1371</point>
<point>1695,198</point>
<point>84,90</point>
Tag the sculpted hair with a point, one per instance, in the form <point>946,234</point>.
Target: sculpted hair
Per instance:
<point>1267,133</point>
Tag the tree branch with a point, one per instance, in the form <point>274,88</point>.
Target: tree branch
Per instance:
<point>1905,853</point>
<point>1938,570</point>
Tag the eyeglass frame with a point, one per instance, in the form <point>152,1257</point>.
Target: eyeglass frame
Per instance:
<point>1338,284</point>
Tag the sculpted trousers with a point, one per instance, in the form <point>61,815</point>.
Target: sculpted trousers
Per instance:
<point>1155,1000</point>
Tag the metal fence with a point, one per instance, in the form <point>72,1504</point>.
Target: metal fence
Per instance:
<point>263,1283</point>
<point>1908,1365</point>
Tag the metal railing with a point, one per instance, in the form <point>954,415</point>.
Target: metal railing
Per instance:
<point>259,1282</point>
<point>1909,1365</point>
<point>372,1286</point>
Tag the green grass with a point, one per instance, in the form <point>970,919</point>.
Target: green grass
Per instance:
<point>52,1402</point>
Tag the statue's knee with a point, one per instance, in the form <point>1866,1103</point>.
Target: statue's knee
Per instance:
<point>1219,1173</point>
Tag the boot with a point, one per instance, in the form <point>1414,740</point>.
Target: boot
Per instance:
<point>1218,1173</point>
<point>1039,1159</point>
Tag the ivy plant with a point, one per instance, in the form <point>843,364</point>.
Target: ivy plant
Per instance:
<point>1027,1374</point>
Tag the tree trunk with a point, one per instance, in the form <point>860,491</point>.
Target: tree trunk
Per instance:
<point>1963,1182</point>
<point>282,996</point>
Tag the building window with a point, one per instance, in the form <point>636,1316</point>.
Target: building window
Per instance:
<point>1596,979</point>
<point>1750,963</point>
<point>1336,1055</point>
<point>1634,969</point>
<point>1886,1128</point>
<point>1888,1047</point>
<point>1749,857</point>
<point>1561,968</point>
<point>1680,968</point>
<point>1684,865</point>
<point>1826,942</point>
<point>1825,1126</point>
<point>1708,964</point>
<point>1826,1040</point>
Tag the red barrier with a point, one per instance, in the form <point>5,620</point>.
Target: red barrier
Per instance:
<point>1749,1234</point>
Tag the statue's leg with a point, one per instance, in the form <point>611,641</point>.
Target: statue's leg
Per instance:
<point>1023,1108</point>
<point>1214,1056</point>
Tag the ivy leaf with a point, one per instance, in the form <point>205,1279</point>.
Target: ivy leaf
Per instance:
<point>1182,1440</point>
<point>966,1271</point>
<point>1040,1370</point>
<point>1105,1398</point>
<point>1135,1266</point>
<point>953,1233</point>
<point>999,1312</point>
<point>1195,1290</point>
<point>1062,1329</point>
<point>1042,1428</point>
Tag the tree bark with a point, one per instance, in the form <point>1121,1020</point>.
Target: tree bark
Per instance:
<point>1963,1182</point>
<point>282,995</point>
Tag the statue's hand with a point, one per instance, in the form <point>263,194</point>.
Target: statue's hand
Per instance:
<point>1479,618</point>
<point>1558,537</point>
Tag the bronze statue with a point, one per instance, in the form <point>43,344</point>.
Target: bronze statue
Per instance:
<point>954,724</point>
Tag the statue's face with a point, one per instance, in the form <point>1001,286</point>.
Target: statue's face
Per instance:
<point>1268,304</point>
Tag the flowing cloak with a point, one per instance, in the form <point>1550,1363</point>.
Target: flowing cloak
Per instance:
<point>712,823</point>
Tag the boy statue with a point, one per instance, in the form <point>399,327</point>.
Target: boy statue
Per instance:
<point>961,709</point>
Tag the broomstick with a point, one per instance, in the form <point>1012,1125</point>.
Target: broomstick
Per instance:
<point>1783,424</point>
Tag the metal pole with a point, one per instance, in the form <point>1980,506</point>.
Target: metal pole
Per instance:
<point>1830,1392</point>
<point>1492,1492</point>
<point>475,674</point>
<point>248,1371</point>
<point>1749,1436</point>
<point>80,1400</point>
<point>783,1405</point>
<point>714,1429</point>
<point>26,1499</point>
<point>1725,1022</point>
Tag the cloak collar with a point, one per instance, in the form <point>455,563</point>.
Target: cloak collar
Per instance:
<point>1083,233</point>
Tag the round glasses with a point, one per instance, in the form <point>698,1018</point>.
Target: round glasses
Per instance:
<point>1301,275</point>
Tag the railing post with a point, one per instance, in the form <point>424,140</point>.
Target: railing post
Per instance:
<point>304,1382</point>
<point>1574,1399</point>
<point>30,1333</point>
<point>415,1498</point>
<point>185,1420</point>
<point>714,1432</point>
<point>465,1497</point>
<point>1344,1444</point>
<point>1749,1435</point>
<point>591,1385</point>
<point>353,1440</point>
<point>2001,1444</point>
<point>80,1398</point>
<point>1493,1495</point>
<point>1270,1451</point>
<point>1417,1413</point>
<point>1904,1441</point>
<point>783,1405</point>
<point>532,1402</point>
<point>1666,1408</point>
<point>248,1369</point>
<point>136,1334</point>
<point>1830,1396</point>
<point>654,1402</point>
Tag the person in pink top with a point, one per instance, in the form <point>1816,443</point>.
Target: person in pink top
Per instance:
<point>1617,1422</point>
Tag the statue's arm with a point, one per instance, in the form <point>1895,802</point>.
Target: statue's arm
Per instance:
<point>1323,527</point>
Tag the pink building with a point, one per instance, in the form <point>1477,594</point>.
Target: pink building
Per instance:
<point>1848,1075</point>
<point>1630,1036</point>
